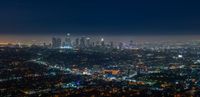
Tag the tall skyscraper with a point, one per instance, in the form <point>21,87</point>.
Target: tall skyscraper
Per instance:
<point>82,42</point>
<point>56,42</point>
<point>68,40</point>
<point>120,46</point>
<point>88,42</point>
<point>63,44</point>
<point>59,42</point>
<point>102,42</point>
<point>77,42</point>
<point>111,44</point>
<point>131,44</point>
<point>53,42</point>
<point>93,44</point>
<point>98,43</point>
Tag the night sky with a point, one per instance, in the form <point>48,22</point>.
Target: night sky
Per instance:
<point>113,17</point>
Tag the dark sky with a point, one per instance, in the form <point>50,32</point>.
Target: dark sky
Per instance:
<point>100,17</point>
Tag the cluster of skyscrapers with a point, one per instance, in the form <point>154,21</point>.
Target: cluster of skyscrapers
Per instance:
<point>82,42</point>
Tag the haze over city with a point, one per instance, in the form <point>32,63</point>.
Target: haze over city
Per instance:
<point>108,38</point>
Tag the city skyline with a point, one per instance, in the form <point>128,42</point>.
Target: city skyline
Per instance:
<point>99,48</point>
<point>108,38</point>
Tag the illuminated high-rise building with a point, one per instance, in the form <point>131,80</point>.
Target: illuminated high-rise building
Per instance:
<point>56,42</point>
<point>131,44</point>
<point>102,42</point>
<point>77,42</point>
<point>59,42</point>
<point>98,43</point>
<point>93,44</point>
<point>68,40</point>
<point>63,44</point>
<point>88,42</point>
<point>111,44</point>
<point>120,46</point>
<point>82,42</point>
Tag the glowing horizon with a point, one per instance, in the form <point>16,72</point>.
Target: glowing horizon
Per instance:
<point>117,38</point>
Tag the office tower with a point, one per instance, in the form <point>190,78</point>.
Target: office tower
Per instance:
<point>120,46</point>
<point>111,44</point>
<point>93,44</point>
<point>59,42</point>
<point>102,42</point>
<point>56,42</point>
<point>45,45</point>
<point>82,42</point>
<point>98,43</point>
<point>131,44</point>
<point>19,45</point>
<point>67,40</point>
<point>77,42</point>
<point>128,73</point>
<point>63,44</point>
<point>88,42</point>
